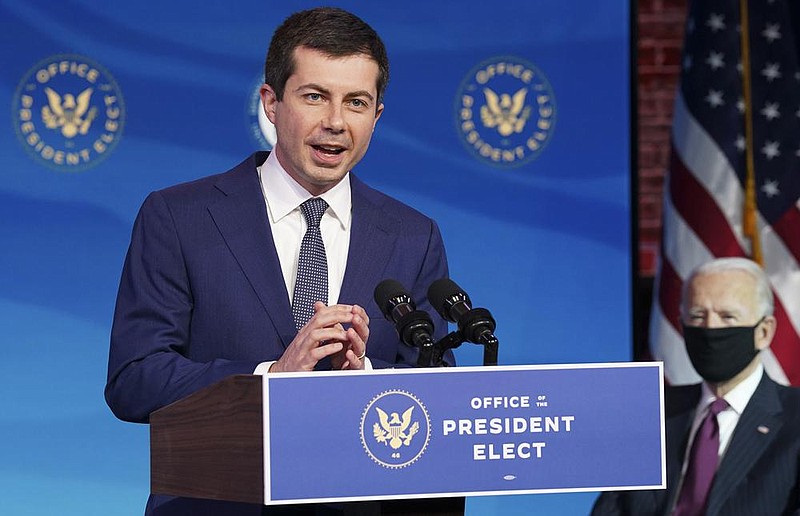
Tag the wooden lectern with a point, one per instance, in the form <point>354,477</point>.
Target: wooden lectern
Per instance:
<point>210,445</point>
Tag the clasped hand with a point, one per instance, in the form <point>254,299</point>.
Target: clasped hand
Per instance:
<point>338,331</point>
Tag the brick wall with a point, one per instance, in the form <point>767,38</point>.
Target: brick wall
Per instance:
<point>660,24</point>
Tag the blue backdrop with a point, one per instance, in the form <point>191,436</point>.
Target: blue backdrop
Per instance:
<point>534,207</point>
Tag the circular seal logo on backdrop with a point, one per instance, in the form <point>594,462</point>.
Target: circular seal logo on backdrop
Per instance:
<point>260,128</point>
<point>68,112</point>
<point>395,429</point>
<point>505,111</point>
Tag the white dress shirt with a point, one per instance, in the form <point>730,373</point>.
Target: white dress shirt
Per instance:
<point>283,197</point>
<point>737,399</point>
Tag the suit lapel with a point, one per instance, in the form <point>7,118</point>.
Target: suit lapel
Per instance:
<point>241,218</point>
<point>747,443</point>
<point>678,427</point>
<point>372,240</point>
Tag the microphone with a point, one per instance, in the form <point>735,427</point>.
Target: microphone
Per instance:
<point>414,327</point>
<point>453,304</point>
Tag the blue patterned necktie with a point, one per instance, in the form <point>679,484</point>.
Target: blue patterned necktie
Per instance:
<point>311,284</point>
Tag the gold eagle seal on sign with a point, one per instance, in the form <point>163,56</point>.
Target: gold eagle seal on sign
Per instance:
<point>395,429</point>
<point>68,112</point>
<point>505,111</point>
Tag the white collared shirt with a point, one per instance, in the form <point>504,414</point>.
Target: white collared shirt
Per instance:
<point>283,197</point>
<point>737,399</point>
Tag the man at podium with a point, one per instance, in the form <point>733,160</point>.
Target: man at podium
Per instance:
<point>271,266</point>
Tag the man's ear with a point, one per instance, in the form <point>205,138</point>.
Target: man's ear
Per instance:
<point>269,101</point>
<point>378,113</point>
<point>765,332</point>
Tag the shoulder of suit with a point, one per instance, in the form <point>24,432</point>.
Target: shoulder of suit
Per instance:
<point>386,203</point>
<point>243,175</point>
<point>679,399</point>
<point>789,392</point>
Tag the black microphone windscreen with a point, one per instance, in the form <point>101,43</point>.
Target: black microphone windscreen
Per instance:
<point>441,291</point>
<point>386,290</point>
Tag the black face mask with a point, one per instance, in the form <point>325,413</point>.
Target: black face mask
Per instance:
<point>719,354</point>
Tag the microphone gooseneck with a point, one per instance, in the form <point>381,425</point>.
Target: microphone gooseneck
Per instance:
<point>474,324</point>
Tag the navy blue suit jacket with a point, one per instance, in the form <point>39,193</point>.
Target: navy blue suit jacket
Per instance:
<point>202,296</point>
<point>759,473</point>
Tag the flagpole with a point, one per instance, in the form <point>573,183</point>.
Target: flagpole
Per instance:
<point>750,212</point>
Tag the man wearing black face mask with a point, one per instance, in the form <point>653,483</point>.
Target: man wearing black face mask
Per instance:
<point>733,441</point>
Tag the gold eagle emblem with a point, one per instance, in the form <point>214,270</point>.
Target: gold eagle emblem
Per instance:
<point>69,113</point>
<point>395,430</point>
<point>508,113</point>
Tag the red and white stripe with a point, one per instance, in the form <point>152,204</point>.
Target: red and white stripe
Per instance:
<point>702,219</point>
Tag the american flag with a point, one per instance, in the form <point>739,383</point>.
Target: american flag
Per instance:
<point>705,198</point>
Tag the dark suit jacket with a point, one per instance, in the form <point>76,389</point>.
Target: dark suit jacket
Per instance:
<point>759,473</point>
<point>202,296</point>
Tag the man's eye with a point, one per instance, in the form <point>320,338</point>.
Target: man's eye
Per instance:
<point>358,103</point>
<point>314,97</point>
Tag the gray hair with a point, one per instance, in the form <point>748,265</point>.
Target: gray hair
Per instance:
<point>764,299</point>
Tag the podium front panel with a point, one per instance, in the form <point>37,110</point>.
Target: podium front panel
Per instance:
<point>407,433</point>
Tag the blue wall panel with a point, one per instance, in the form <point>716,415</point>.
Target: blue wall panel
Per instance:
<point>543,241</point>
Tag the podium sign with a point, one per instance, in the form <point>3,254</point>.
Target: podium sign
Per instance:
<point>471,431</point>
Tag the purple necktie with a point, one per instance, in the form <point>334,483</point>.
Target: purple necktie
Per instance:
<point>703,462</point>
